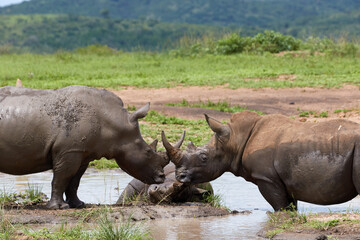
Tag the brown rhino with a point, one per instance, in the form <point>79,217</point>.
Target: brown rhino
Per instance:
<point>288,160</point>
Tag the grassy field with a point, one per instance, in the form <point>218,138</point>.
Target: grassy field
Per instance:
<point>154,70</point>
<point>103,67</point>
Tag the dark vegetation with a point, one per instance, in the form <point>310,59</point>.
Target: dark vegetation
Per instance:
<point>45,26</point>
<point>48,33</point>
<point>298,18</point>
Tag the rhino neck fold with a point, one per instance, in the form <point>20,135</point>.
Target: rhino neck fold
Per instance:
<point>236,165</point>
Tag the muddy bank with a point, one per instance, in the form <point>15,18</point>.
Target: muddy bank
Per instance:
<point>38,214</point>
<point>321,226</point>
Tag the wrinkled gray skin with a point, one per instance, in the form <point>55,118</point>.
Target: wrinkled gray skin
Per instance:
<point>288,160</point>
<point>169,191</point>
<point>67,128</point>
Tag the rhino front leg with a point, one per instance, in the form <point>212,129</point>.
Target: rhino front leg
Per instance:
<point>64,167</point>
<point>71,191</point>
<point>277,196</point>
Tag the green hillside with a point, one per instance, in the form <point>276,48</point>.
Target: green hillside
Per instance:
<point>48,33</point>
<point>302,17</point>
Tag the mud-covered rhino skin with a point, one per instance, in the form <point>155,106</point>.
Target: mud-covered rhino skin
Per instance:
<point>67,128</point>
<point>288,160</point>
<point>169,191</point>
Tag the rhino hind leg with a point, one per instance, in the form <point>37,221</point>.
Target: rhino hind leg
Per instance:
<point>71,191</point>
<point>64,168</point>
<point>277,196</point>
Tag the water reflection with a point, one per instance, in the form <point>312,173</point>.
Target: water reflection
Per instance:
<point>104,187</point>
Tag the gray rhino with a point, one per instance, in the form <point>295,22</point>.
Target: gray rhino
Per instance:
<point>288,160</point>
<point>67,128</point>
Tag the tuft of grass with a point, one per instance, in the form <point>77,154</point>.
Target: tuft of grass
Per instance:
<point>284,221</point>
<point>109,230</point>
<point>7,196</point>
<point>34,192</point>
<point>134,199</point>
<point>7,230</point>
<point>315,114</point>
<point>214,200</point>
<point>104,163</point>
<point>84,215</point>
<point>346,110</point>
<point>65,232</point>
<point>323,225</point>
<point>222,106</point>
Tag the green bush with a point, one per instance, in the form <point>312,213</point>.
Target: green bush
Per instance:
<point>275,42</point>
<point>231,44</point>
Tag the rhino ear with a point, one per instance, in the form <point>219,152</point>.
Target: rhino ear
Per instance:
<point>191,146</point>
<point>154,144</point>
<point>222,131</point>
<point>140,113</point>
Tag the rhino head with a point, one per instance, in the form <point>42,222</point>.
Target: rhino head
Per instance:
<point>135,156</point>
<point>223,152</point>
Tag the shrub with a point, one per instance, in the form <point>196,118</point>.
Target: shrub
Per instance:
<point>275,42</point>
<point>231,44</point>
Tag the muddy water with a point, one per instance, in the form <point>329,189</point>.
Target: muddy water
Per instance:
<point>105,186</point>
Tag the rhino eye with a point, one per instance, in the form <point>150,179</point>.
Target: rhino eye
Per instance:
<point>203,157</point>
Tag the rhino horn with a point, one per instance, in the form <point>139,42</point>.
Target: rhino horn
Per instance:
<point>222,131</point>
<point>154,144</point>
<point>180,142</point>
<point>173,152</point>
<point>140,113</point>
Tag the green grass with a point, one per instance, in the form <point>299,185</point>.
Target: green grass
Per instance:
<point>346,110</point>
<point>197,131</point>
<point>109,230</point>
<point>315,114</point>
<point>222,106</point>
<point>103,163</point>
<point>154,70</point>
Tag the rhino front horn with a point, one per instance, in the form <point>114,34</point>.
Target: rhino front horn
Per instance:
<point>173,152</point>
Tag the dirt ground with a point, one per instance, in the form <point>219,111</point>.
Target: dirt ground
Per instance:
<point>270,101</point>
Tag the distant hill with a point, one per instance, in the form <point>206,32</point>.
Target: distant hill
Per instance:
<point>300,17</point>
<point>50,32</point>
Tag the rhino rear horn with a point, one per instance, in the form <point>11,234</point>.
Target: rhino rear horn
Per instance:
<point>154,144</point>
<point>180,142</point>
<point>191,146</point>
<point>222,131</point>
<point>140,113</point>
<point>173,152</point>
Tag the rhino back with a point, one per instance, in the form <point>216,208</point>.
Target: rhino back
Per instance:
<point>34,123</point>
<point>313,160</point>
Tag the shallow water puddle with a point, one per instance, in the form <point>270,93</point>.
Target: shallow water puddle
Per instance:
<point>104,187</point>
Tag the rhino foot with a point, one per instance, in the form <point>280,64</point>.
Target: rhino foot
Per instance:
<point>77,204</point>
<point>56,205</point>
